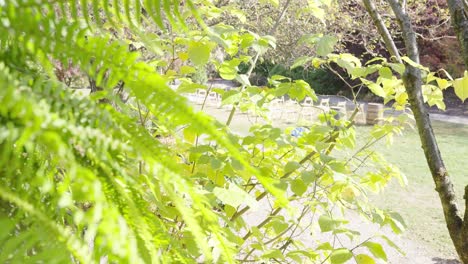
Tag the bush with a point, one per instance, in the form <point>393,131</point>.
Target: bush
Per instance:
<point>322,80</point>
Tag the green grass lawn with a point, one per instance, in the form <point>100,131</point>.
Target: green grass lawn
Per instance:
<point>419,203</point>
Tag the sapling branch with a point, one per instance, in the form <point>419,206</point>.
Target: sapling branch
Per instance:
<point>254,61</point>
<point>304,212</point>
<point>332,136</point>
<point>351,87</point>
<point>197,138</point>
<point>367,145</point>
<point>236,104</point>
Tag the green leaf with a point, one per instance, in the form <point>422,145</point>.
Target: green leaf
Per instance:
<point>279,78</point>
<point>282,89</point>
<point>376,249</point>
<point>235,196</point>
<point>187,86</point>
<point>228,69</point>
<point>216,164</point>
<point>393,245</point>
<point>300,89</point>
<point>397,223</point>
<point>327,224</point>
<point>298,187</point>
<point>291,166</point>
<point>461,87</point>
<point>310,255</point>
<point>269,40</point>
<point>231,97</point>
<point>275,3</point>
<point>246,40</point>
<point>317,11</point>
<point>414,64</point>
<point>442,83</point>
<point>375,88</point>
<point>243,79</point>
<point>385,72</point>
<point>398,67</point>
<point>340,256</point>
<point>183,56</point>
<point>433,95</point>
<point>401,98</point>
<point>339,166</point>
<point>273,253</point>
<point>430,77</point>
<point>359,72</point>
<point>348,138</point>
<point>278,225</point>
<point>263,43</point>
<point>185,69</point>
<point>308,177</point>
<point>325,246</point>
<point>301,61</point>
<point>326,45</point>
<point>379,60</point>
<point>364,259</point>
<point>295,257</point>
<point>309,38</point>
<point>199,53</point>
<point>7,226</point>
<point>346,60</point>
<point>236,164</point>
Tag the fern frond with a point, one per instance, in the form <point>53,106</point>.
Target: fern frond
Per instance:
<point>73,243</point>
<point>79,136</point>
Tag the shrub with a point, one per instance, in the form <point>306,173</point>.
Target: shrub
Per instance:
<point>322,80</point>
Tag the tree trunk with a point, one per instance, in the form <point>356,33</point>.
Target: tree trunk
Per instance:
<point>457,227</point>
<point>459,16</point>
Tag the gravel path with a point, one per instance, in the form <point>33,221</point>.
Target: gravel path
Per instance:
<point>457,119</point>
<point>449,118</point>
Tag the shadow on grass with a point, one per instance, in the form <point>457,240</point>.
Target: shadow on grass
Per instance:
<point>445,261</point>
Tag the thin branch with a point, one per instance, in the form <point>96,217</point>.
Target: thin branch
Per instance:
<point>254,61</point>
<point>249,72</point>
<point>283,12</point>
<point>333,136</point>
<point>379,23</point>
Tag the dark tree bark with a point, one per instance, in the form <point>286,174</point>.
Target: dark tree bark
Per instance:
<point>459,16</point>
<point>457,227</point>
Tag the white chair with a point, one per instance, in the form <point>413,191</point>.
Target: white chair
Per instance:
<point>324,104</point>
<point>278,101</point>
<point>341,108</point>
<point>200,96</point>
<point>291,111</point>
<point>275,108</point>
<point>308,102</point>
<point>213,99</point>
<point>307,111</point>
